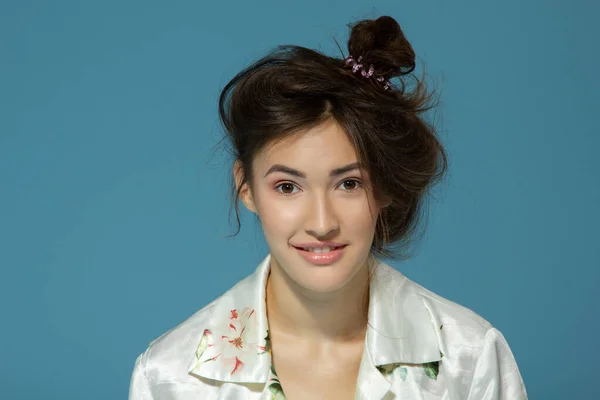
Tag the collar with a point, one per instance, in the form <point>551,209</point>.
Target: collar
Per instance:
<point>234,346</point>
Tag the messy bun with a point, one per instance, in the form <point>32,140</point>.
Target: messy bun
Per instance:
<point>293,88</point>
<point>381,42</point>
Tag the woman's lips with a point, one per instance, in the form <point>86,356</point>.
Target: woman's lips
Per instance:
<point>322,258</point>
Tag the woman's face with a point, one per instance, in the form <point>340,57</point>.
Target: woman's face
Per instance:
<point>300,198</point>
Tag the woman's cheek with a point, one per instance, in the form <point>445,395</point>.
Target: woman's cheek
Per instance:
<point>357,210</point>
<point>281,213</point>
<point>287,213</point>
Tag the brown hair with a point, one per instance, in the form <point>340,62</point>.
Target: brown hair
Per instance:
<point>293,88</point>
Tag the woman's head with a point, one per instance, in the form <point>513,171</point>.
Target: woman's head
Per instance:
<point>309,187</point>
<point>303,110</point>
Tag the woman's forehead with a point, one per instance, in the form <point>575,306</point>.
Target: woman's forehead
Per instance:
<point>323,146</point>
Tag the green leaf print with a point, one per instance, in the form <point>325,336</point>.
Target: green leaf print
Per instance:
<point>268,342</point>
<point>274,385</point>
<point>388,369</point>
<point>403,373</point>
<point>432,369</point>
<point>276,391</point>
<point>267,347</point>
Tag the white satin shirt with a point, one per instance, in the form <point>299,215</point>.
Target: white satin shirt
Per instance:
<point>418,345</point>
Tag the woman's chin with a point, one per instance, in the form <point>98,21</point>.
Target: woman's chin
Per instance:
<point>324,279</point>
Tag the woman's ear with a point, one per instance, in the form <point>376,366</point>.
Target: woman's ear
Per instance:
<point>246,191</point>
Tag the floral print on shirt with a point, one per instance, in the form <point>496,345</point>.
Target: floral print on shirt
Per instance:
<point>273,384</point>
<point>388,369</point>
<point>232,343</point>
<point>432,369</point>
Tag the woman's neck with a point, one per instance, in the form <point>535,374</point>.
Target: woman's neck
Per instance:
<point>340,316</point>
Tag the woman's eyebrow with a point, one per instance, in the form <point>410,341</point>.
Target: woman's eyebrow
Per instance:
<point>299,174</point>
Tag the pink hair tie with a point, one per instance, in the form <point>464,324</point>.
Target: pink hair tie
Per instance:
<point>356,66</point>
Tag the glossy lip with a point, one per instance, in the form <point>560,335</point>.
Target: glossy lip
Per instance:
<point>319,244</point>
<point>322,258</point>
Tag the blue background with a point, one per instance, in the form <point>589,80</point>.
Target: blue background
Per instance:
<point>112,199</point>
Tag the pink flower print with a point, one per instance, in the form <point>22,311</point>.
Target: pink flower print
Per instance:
<point>233,344</point>
<point>238,340</point>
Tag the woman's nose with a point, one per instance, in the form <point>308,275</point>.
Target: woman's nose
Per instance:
<point>322,220</point>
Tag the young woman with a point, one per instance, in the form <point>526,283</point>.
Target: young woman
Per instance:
<point>335,160</point>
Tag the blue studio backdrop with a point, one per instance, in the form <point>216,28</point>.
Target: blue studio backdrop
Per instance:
<point>113,201</point>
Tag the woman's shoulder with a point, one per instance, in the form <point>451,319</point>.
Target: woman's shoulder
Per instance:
<point>440,308</point>
<point>174,349</point>
<point>464,335</point>
<point>455,326</point>
<point>473,357</point>
<point>166,359</point>
<point>171,352</point>
<point>183,330</point>
<point>451,312</point>
<point>192,328</point>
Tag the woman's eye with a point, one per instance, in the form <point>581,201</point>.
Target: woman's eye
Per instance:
<point>286,188</point>
<point>353,184</point>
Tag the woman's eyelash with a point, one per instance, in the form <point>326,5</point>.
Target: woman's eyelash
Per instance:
<point>357,181</point>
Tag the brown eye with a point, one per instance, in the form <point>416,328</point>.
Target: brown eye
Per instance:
<point>285,187</point>
<point>351,184</point>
